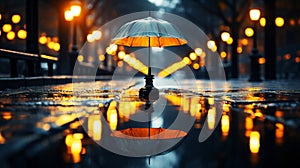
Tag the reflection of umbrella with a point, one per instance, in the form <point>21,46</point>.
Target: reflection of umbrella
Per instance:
<point>148,32</point>
<point>142,133</point>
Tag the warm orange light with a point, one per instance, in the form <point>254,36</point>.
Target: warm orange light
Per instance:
<point>76,146</point>
<point>95,127</point>
<point>97,34</point>
<point>10,35</point>
<point>230,41</point>
<point>43,40</point>
<point>16,18</point>
<point>22,34</point>
<point>121,54</point>
<point>292,22</point>
<point>262,22</point>
<point>211,44</point>
<point>101,57</point>
<point>120,63</point>
<point>226,107</point>
<point>69,140</point>
<point>193,56</point>
<point>239,50</point>
<point>211,101</point>
<point>279,21</point>
<point>6,28</point>
<point>174,67</point>
<point>68,15</point>
<point>111,49</point>
<point>6,115</point>
<point>97,130</point>
<point>196,66</point>
<point>198,51</point>
<point>254,142</point>
<point>225,125</point>
<point>225,36</point>
<point>279,131</point>
<point>262,60</point>
<point>211,118</point>
<point>75,8</point>
<point>80,58</point>
<point>186,60</point>
<point>50,45</point>
<point>185,104</point>
<point>78,136</point>
<point>244,41</point>
<point>2,139</point>
<point>297,59</point>
<point>287,56</point>
<point>90,38</point>
<point>223,54</point>
<point>112,118</point>
<point>249,32</point>
<point>248,126</point>
<point>195,106</point>
<point>136,64</point>
<point>56,47</point>
<point>254,14</point>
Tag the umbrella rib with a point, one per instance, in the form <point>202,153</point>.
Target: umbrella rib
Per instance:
<point>178,41</point>
<point>158,35</point>
<point>129,31</point>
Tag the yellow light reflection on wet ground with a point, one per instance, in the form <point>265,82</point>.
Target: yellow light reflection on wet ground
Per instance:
<point>211,101</point>
<point>279,133</point>
<point>225,124</point>
<point>185,104</point>
<point>173,99</point>
<point>2,139</point>
<point>74,145</point>
<point>6,115</point>
<point>113,119</point>
<point>95,127</point>
<point>248,126</point>
<point>254,142</point>
<point>194,106</point>
<point>211,118</point>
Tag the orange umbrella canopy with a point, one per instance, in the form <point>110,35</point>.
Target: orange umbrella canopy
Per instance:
<point>155,134</point>
<point>148,32</point>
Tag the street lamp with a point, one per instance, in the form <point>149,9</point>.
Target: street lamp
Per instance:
<point>254,14</point>
<point>71,15</point>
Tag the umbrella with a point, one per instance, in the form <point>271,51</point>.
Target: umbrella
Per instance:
<point>149,32</point>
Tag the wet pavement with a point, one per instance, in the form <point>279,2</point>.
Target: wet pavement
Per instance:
<point>241,124</point>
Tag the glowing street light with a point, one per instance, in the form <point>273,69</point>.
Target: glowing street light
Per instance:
<point>262,22</point>
<point>254,14</point>
<point>279,21</point>
<point>6,28</point>
<point>225,36</point>
<point>249,32</point>
<point>22,34</point>
<point>16,18</point>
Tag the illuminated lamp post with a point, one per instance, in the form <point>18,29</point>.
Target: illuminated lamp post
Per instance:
<point>254,14</point>
<point>71,15</point>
